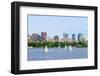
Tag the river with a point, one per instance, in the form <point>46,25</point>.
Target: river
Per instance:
<point>34,54</point>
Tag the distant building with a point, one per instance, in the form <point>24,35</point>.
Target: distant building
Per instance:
<point>80,37</point>
<point>65,36</point>
<point>29,38</point>
<point>39,37</point>
<point>49,39</point>
<point>61,40</point>
<point>35,36</point>
<point>44,36</point>
<point>56,38</point>
<point>73,37</point>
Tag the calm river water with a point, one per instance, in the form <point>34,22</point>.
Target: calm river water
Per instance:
<point>56,53</point>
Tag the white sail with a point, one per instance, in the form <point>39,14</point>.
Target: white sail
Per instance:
<point>70,48</point>
<point>59,46</point>
<point>65,47</point>
<point>46,49</point>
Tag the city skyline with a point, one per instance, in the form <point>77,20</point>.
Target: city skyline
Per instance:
<point>45,36</point>
<point>55,25</point>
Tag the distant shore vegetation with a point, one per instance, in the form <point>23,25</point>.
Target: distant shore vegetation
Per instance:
<point>79,44</point>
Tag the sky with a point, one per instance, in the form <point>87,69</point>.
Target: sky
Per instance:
<point>57,25</point>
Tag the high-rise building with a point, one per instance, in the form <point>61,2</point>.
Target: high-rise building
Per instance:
<point>39,37</point>
<point>56,38</point>
<point>65,36</point>
<point>80,37</point>
<point>35,36</point>
<point>29,38</point>
<point>73,37</point>
<point>44,36</point>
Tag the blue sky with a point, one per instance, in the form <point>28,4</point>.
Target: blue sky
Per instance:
<point>57,25</point>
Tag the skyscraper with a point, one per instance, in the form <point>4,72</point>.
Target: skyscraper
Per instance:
<point>44,36</point>
<point>56,38</point>
<point>80,37</point>
<point>65,36</point>
<point>73,37</point>
<point>39,37</point>
<point>35,36</point>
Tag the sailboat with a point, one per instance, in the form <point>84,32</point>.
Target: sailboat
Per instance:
<point>70,48</point>
<point>45,49</point>
<point>65,47</point>
<point>59,46</point>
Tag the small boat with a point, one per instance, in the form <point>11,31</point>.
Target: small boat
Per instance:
<point>59,47</point>
<point>65,47</point>
<point>70,48</point>
<point>45,49</point>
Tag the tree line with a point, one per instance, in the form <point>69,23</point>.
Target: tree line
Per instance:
<point>78,44</point>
